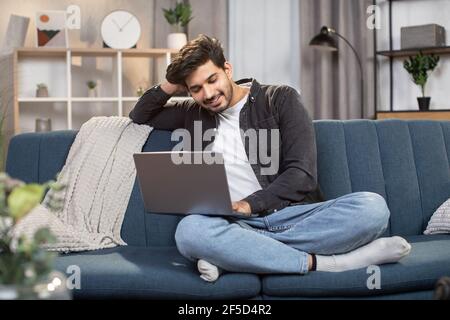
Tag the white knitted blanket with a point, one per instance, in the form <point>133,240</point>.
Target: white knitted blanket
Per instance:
<point>98,176</point>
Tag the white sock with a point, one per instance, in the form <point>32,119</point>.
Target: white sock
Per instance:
<point>208,271</point>
<point>380,251</point>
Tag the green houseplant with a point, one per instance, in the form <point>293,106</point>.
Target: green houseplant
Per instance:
<point>178,17</point>
<point>92,85</point>
<point>24,264</point>
<point>420,67</point>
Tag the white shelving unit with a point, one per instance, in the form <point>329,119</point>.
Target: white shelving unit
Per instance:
<point>68,54</point>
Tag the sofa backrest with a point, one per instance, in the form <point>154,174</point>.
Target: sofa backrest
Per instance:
<point>407,162</point>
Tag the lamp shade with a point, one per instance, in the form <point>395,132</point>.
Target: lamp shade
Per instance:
<point>324,41</point>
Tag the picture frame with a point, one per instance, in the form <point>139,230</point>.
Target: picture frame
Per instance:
<point>51,29</point>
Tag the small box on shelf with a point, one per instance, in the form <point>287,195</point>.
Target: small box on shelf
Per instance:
<point>423,36</point>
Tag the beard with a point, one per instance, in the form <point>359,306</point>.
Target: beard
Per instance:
<point>221,100</point>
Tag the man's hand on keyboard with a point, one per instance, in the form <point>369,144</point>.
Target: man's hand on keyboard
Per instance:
<point>242,207</point>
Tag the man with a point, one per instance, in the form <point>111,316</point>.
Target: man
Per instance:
<point>289,228</point>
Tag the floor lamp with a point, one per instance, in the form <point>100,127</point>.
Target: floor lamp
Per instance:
<point>325,41</point>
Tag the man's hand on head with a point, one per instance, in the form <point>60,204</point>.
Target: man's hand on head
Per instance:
<point>172,89</point>
<point>242,207</point>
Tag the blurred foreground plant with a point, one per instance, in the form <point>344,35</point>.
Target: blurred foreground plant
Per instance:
<point>23,261</point>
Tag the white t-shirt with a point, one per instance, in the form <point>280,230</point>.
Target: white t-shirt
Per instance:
<point>242,181</point>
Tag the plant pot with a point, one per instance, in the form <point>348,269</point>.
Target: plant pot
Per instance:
<point>424,103</point>
<point>42,93</point>
<point>176,40</point>
<point>92,93</point>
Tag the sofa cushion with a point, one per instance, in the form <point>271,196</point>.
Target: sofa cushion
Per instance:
<point>147,273</point>
<point>428,261</point>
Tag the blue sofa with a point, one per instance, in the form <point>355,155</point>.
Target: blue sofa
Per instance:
<point>407,162</point>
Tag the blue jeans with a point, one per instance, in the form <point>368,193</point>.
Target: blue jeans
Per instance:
<point>281,242</point>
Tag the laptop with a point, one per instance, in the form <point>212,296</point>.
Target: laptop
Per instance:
<point>191,186</point>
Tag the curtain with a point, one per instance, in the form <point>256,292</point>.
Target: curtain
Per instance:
<point>330,81</point>
<point>265,47</point>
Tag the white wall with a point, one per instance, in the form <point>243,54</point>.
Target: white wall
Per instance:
<point>407,13</point>
<point>264,40</point>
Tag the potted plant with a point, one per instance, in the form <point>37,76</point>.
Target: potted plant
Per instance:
<point>25,267</point>
<point>420,67</point>
<point>41,90</point>
<point>92,92</point>
<point>178,17</point>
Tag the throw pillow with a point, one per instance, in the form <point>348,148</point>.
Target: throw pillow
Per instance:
<point>440,220</point>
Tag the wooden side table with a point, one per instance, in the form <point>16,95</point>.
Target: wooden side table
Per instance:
<point>415,115</point>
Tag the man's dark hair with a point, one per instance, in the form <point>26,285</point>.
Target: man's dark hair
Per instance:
<point>194,54</point>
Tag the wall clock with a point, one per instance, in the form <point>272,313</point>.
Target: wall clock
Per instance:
<point>120,30</point>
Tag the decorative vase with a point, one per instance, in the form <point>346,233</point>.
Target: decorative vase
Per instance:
<point>424,103</point>
<point>92,93</point>
<point>42,92</point>
<point>176,40</point>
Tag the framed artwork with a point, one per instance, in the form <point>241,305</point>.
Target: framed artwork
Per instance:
<point>51,29</point>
